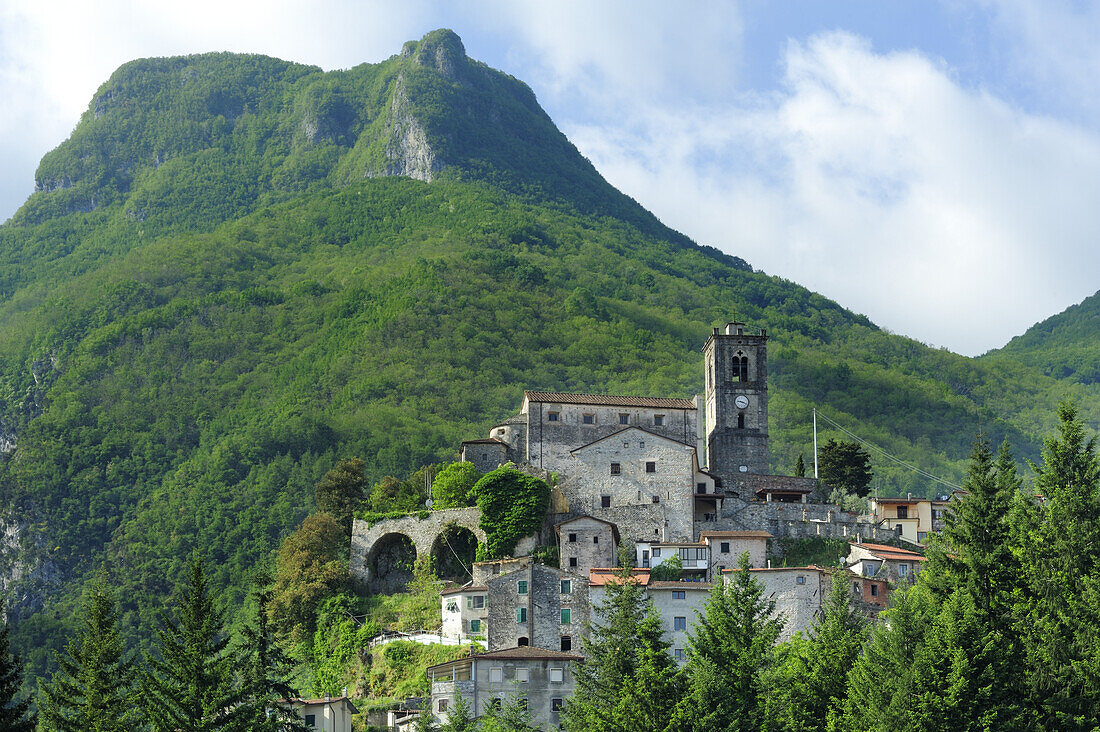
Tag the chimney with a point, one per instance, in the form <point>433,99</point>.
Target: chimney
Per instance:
<point>909,496</point>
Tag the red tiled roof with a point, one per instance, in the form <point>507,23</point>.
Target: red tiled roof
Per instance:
<point>735,535</point>
<point>606,400</point>
<point>890,552</point>
<point>660,585</point>
<point>600,576</point>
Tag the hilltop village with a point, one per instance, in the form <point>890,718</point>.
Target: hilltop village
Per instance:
<point>679,481</point>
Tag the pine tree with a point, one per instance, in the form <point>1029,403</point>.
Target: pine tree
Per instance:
<point>425,722</point>
<point>93,687</point>
<point>800,467</point>
<point>510,716</point>
<point>459,717</point>
<point>189,686</point>
<point>648,698</point>
<point>730,648</point>
<point>265,669</point>
<point>14,715</point>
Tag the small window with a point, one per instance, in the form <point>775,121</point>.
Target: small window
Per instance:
<point>874,590</point>
<point>658,420</point>
<point>651,467</point>
<point>475,626</point>
<point>557,704</point>
<point>479,602</point>
<point>311,719</point>
<point>572,538</point>
<point>680,623</point>
<point>801,580</point>
<point>566,586</point>
<point>566,645</point>
<point>496,675</point>
<point>557,675</point>
<point>521,587</point>
<point>452,606</point>
<point>624,418</point>
<point>595,540</point>
<point>566,616</point>
<point>442,706</point>
<point>523,641</point>
<point>616,469</point>
<point>572,562</point>
<point>903,570</point>
<point>495,702</point>
<point>588,418</point>
<point>521,615</point>
<point>641,445</point>
<point>626,444</point>
<point>740,420</point>
<point>656,551</point>
<point>725,548</point>
<point>523,675</point>
<point>605,501</point>
<point>552,416</point>
<point>855,587</point>
<point>678,654</point>
<point>679,595</point>
<point>903,512</point>
<point>656,499</point>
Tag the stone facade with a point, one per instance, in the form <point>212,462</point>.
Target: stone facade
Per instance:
<point>465,612</point>
<point>537,606</point>
<point>678,604</point>
<point>796,593</point>
<point>736,376</point>
<point>726,548</point>
<point>485,455</point>
<point>585,543</point>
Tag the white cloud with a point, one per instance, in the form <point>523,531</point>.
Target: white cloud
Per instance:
<point>875,179</point>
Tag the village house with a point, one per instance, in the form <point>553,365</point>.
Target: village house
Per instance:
<point>884,562</point>
<point>330,714</point>
<point>465,612</point>
<point>537,605</point>
<point>913,519</point>
<point>586,542</point>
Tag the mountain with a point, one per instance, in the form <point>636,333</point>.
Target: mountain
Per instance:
<point>239,270</point>
<point>1065,346</point>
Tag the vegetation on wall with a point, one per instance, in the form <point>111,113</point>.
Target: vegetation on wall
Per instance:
<point>513,505</point>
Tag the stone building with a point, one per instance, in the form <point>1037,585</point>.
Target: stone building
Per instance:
<point>883,561</point>
<point>679,604</point>
<point>586,542</point>
<point>541,677</point>
<point>537,606</point>
<point>736,381</point>
<point>726,548</point>
<point>465,611</point>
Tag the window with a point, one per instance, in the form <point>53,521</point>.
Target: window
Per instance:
<point>496,675</point>
<point>903,512</point>
<point>572,561</point>
<point>651,467</point>
<point>442,706</point>
<point>855,587</point>
<point>725,547</point>
<point>476,602</point>
<point>874,590</point>
<point>903,570</point>
<point>678,654</point>
<point>566,645</point>
<point>656,499</point>
<point>572,538</point>
<point>605,501</point>
<point>595,540</point>
<point>475,626</point>
<point>680,623</point>
<point>523,703</point>
<point>740,420</point>
<point>588,419</point>
<point>552,416</point>
<point>801,580</point>
<point>557,675</point>
<point>556,704</point>
<point>658,420</point>
<point>566,616</point>
<point>523,675</point>
<point>624,418</point>
<point>656,551</point>
<point>452,606</point>
<point>626,444</point>
<point>641,445</point>
<point>495,703</point>
<point>922,535</point>
<point>616,469</point>
<point>700,487</point>
<point>523,641</point>
<point>566,586</point>
<point>521,615</point>
<point>679,595</point>
<point>693,554</point>
<point>521,587</point>
<point>311,719</point>
<point>740,368</point>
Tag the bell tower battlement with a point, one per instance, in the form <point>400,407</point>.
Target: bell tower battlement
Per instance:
<point>736,376</point>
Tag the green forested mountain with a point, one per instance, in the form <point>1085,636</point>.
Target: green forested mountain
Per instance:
<point>238,271</point>
<point>1065,346</point>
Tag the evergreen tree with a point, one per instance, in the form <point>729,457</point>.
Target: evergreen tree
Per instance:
<point>1061,556</point>
<point>809,689</point>
<point>425,722</point>
<point>648,698</point>
<point>845,465</point>
<point>341,491</point>
<point>189,684</point>
<point>92,689</point>
<point>800,467</point>
<point>265,669</point>
<point>14,715</point>
<point>730,648</point>
<point>459,717</point>
<point>509,716</point>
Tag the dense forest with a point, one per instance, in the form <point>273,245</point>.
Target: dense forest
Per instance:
<point>239,271</point>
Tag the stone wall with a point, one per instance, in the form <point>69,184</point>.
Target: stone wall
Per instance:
<point>586,543</point>
<point>542,603</point>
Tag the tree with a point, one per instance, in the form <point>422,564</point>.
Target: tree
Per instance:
<point>341,491</point>
<point>459,717</point>
<point>93,687</point>
<point>648,698</point>
<point>14,715</point>
<point>425,722</point>
<point>800,467</point>
<point>189,685</point>
<point>453,487</point>
<point>510,716</point>
<point>308,569</point>
<point>265,669</point>
<point>670,570</point>
<point>845,465</point>
<point>729,650</point>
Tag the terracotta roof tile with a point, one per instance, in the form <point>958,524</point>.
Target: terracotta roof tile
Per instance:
<point>735,535</point>
<point>661,585</point>
<point>606,400</point>
<point>530,652</point>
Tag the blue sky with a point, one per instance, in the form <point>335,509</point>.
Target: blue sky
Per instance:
<point>933,165</point>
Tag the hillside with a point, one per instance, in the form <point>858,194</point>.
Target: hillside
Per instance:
<point>238,271</point>
<point>1065,346</point>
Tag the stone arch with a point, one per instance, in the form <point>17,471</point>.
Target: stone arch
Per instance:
<point>391,560</point>
<point>453,552</point>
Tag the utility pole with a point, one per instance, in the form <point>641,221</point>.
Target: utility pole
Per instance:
<point>815,443</point>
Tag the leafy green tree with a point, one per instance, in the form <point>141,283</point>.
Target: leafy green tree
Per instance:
<point>308,569</point>
<point>510,716</point>
<point>425,722</point>
<point>730,650</point>
<point>648,698</point>
<point>513,505</point>
<point>845,465</point>
<point>14,715</point>
<point>670,570</point>
<point>459,717</point>
<point>1061,557</point>
<point>93,686</point>
<point>341,491</point>
<point>189,683</point>
<point>453,486</point>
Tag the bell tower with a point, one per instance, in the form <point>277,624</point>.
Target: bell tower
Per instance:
<point>736,374</point>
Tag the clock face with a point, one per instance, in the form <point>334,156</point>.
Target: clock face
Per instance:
<point>741,401</point>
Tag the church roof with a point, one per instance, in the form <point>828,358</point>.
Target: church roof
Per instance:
<point>619,433</point>
<point>605,400</point>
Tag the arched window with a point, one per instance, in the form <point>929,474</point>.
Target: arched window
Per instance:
<point>740,367</point>
<point>740,420</point>
<point>523,641</point>
<point>744,368</point>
